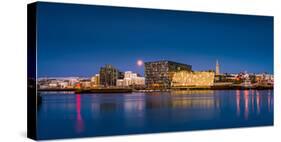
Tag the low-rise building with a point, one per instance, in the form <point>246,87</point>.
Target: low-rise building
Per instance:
<point>264,78</point>
<point>85,83</point>
<point>63,84</point>
<point>131,79</point>
<point>197,78</point>
<point>95,80</point>
<point>120,82</point>
<point>53,85</point>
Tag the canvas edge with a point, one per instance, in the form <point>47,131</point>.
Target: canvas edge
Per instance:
<point>31,71</point>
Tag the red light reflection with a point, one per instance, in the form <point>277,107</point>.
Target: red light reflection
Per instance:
<point>79,120</point>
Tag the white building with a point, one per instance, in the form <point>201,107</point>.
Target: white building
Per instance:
<point>95,80</point>
<point>73,81</point>
<point>131,79</point>
<point>263,77</point>
<point>119,82</point>
<point>53,85</point>
<point>63,84</point>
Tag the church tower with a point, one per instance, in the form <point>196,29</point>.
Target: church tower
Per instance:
<point>217,68</point>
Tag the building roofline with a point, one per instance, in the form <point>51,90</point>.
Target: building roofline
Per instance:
<point>166,61</point>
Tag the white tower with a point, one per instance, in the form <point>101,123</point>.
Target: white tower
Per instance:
<point>217,68</point>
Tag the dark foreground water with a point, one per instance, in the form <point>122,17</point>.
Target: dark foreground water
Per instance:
<point>64,115</point>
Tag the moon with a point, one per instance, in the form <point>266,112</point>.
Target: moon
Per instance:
<point>139,62</point>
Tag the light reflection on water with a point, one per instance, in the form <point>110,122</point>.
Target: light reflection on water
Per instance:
<point>64,115</point>
<point>238,103</point>
<point>79,123</point>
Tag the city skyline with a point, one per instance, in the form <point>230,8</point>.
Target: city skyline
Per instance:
<point>76,40</point>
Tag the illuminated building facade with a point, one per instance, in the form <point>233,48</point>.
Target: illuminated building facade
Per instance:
<point>109,75</point>
<point>264,78</point>
<point>85,83</point>
<point>187,78</point>
<point>159,74</point>
<point>95,80</point>
<point>131,79</point>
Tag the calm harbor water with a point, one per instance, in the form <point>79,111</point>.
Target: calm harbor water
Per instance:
<point>65,114</point>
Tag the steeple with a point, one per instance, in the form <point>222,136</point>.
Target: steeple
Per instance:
<point>217,68</point>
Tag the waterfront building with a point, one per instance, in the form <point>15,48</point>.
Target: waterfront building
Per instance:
<point>109,75</point>
<point>120,82</point>
<point>53,84</point>
<point>85,83</point>
<point>131,79</point>
<point>189,79</point>
<point>95,80</point>
<point>230,77</point>
<point>264,78</point>
<point>43,86</point>
<point>138,81</point>
<point>130,74</point>
<point>63,84</point>
<point>158,74</point>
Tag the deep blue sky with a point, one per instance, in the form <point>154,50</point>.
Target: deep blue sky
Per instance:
<point>76,40</point>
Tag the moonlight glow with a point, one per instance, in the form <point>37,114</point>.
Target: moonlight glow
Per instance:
<point>139,62</point>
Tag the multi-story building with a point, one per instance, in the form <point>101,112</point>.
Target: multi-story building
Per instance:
<point>131,79</point>
<point>85,83</point>
<point>120,82</point>
<point>53,84</point>
<point>109,75</point>
<point>57,82</point>
<point>264,78</point>
<point>95,80</point>
<point>63,83</point>
<point>198,78</point>
<point>159,74</point>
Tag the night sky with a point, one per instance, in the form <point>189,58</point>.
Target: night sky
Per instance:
<point>76,40</point>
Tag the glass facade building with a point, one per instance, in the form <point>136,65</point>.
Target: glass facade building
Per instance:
<point>109,75</point>
<point>158,74</point>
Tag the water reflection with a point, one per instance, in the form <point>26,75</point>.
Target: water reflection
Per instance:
<point>102,114</point>
<point>136,103</point>
<point>257,100</point>
<point>192,92</point>
<point>79,121</point>
<point>269,101</point>
<point>246,104</point>
<point>134,110</point>
<point>238,103</point>
<point>194,98</point>
<point>182,99</point>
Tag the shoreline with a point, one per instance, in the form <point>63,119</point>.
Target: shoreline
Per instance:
<point>130,90</point>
